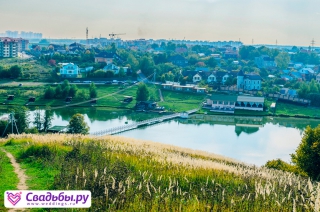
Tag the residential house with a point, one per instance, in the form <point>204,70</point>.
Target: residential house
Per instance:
<point>265,61</point>
<point>218,76</point>
<point>288,92</point>
<point>69,70</point>
<point>105,57</point>
<point>23,44</point>
<point>196,78</point>
<point>307,73</point>
<point>318,78</point>
<point>231,54</point>
<point>297,65</point>
<point>178,60</point>
<point>286,77</point>
<point>8,47</point>
<point>296,75</point>
<point>86,70</point>
<point>114,68</point>
<point>250,81</point>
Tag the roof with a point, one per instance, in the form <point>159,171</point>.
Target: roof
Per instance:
<point>240,73</point>
<point>251,99</point>
<point>252,76</point>
<point>223,98</point>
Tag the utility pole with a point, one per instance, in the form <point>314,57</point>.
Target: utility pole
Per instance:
<point>87,33</point>
<point>12,122</point>
<point>312,44</point>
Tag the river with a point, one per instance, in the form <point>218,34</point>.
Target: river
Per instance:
<point>253,140</point>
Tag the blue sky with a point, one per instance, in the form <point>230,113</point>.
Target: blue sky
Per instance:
<point>264,21</point>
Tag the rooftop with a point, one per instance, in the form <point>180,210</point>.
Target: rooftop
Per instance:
<point>250,99</point>
<point>218,97</point>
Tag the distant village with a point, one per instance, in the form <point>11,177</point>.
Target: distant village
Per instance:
<point>291,73</point>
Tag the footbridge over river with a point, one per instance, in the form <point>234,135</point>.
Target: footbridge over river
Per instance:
<point>127,127</point>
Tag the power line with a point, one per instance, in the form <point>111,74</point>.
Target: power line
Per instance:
<point>111,94</point>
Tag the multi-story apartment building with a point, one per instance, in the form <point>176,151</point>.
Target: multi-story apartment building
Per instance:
<point>23,44</point>
<point>8,47</point>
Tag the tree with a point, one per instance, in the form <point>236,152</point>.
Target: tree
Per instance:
<point>15,71</point>
<point>52,62</point>
<point>21,116</point>
<point>146,65</point>
<point>37,119</point>
<point>73,90</point>
<point>49,93</point>
<point>77,125</point>
<point>282,60</point>
<point>142,92</point>
<point>58,91</point>
<point>121,72</point>
<point>211,62</point>
<point>47,119</point>
<point>93,90</point>
<point>109,74</point>
<point>307,155</point>
<point>304,90</point>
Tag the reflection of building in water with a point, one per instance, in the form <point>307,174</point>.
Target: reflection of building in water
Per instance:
<point>249,129</point>
<point>238,121</point>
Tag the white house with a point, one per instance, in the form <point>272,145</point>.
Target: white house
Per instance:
<point>218,76</point>
<point>196,78</point>
<point>69,70</point>
<point>248,81</point>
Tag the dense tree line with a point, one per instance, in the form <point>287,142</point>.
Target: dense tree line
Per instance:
<point>12,72</point>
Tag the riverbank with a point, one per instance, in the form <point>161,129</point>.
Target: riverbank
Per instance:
<point>111,96</point>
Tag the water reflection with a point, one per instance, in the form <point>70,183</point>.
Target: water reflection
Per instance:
<point>250,139</point>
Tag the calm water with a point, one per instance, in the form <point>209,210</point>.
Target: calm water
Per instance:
<point>253,140</point>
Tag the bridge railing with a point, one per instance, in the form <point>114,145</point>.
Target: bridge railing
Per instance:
<point>123,128</point>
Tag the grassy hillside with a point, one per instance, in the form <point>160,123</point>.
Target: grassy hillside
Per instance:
<point>133,175</point>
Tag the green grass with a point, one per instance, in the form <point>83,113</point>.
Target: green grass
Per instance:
<point>140,176</point>
<point>40,173</point>
<point>8,179</point>
<point>296,110</point>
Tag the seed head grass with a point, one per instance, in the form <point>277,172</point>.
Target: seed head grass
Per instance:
<point>133,175</point>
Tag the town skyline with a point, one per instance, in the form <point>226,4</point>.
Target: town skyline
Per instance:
<point>265,22</point>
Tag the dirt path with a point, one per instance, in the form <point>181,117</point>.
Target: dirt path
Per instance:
<point>21,176</point>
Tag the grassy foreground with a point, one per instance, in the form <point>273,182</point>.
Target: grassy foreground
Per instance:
<point>8,179</point>
<point>132,175</point>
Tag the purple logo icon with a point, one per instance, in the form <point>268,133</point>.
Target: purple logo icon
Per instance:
<point>14,198</point>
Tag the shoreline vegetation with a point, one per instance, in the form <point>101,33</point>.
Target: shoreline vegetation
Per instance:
<point>173,101</point>
<point>135,175</point>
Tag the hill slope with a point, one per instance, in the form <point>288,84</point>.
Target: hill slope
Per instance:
<point>133,175</point>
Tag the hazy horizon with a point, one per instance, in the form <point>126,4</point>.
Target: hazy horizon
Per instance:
<point>290,22</point>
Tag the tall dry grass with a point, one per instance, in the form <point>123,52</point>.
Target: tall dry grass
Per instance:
<point>134,175</point>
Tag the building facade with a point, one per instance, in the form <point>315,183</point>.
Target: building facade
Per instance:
<point>8,47</point>
<point>69,70</point>
<point>248,81</point>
